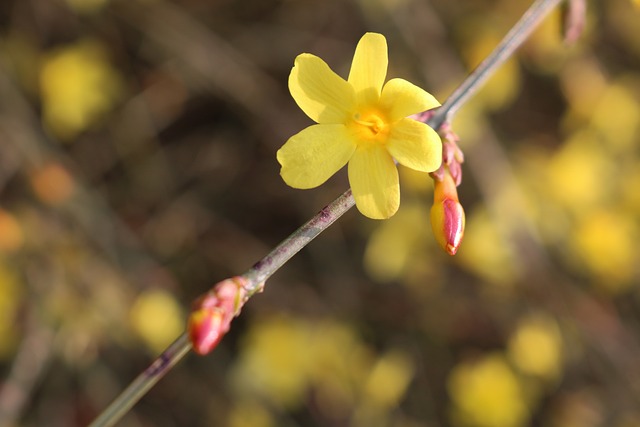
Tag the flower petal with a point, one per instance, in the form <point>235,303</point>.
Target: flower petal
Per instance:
<point>369,68</point>
<point>374,181</point>
<point>401,98</point>
<point>415,145</point>
<point>323,95</point>
<point>311,156</point>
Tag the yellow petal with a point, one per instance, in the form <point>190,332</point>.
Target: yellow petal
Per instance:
<point>311,156</point>
<point>415,145</point>
<point>401,98</point>
<point>323,95</point>
<point>369,68</point>
<point>374,181</point>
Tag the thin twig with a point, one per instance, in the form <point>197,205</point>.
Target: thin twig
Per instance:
<point>514,38</point>
<point>268,265</point>
<point>143,383</point>
<point>263,269</point>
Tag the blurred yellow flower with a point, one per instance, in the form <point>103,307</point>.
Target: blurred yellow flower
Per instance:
<point>78,86</point>
<point>389,379</point>
<point>617,115</point>
<point>487,252</point>
<point>361,123</point>
<point>536,347</point>
<point>385,387</point>
<point>246,413</point>
<point>397,243</point>
<point>10,295</point>
<point>606,243</point>
<point>333,373</point>
<point>487,393</point>
<point>157,318</point>
<point>579,174</point>
<point>583,83</point>
<point>503,86</point>
<point>275,361</point>
<point>283,358</point>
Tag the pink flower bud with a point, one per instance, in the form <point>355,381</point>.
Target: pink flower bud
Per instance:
<point>447,221</point>
<point>206,329</point>
<point>447,214</point>
<point>212,313</point>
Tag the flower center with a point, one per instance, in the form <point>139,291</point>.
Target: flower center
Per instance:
<point>370,125</point>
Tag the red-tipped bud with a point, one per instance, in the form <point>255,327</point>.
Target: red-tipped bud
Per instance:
<point>212,313</point>
<point>447,221</point>
<point>447,214</point>
<point>206,328</point>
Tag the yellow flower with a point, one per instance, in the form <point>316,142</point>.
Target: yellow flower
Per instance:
<point>362,123</point>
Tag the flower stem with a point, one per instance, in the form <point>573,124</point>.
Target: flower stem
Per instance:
<point>263,269</point>
<point>268,265</point>
<point>514,38</point>
<point>143,383</point>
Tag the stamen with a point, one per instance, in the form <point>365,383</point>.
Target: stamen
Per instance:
<point>373,123</point>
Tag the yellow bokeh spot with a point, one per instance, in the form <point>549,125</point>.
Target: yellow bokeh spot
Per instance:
<point>470,123</point>
<point>384,388</point>
<point>275,361</point>
<point>248,414</point>
<point>393,245</point>
<point>545,45</point>
<point>486,252</point>
<point>284,358</point>
<point>340,366</point>
<point>583,83</point>
<point>11,235</point>
<point>630,183</point>
<point>606,243</point>
<point>487,393</point>
<point>502,88</point>
<point>578,174</point>
<point>389,379</point>
<point>415,181</point>
<point>536,347</point>
<point>9,303</point>
<point>78,87</point>
<point>617,117</point>
<point>157,317</point>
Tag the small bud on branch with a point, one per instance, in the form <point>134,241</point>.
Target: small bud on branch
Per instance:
<point>447,214</point>
<point>211,313</point>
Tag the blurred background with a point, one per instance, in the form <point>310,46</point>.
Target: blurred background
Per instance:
<point>137,169</point>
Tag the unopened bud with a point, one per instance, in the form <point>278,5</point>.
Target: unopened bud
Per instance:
<point>447,221</point>
<point>212,313</point>
<point>447,214</point>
